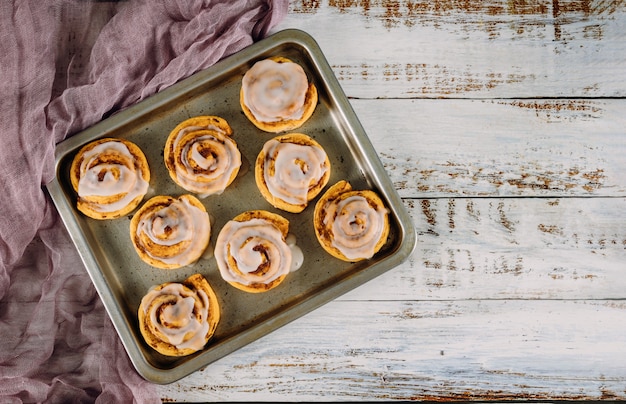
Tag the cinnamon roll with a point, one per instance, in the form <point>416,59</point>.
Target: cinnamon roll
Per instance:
<point>201,156</point>
<point>291,170</point>
<point>178,319</point>
<point>276,95</point>
<point>170,232</point>
<point>110,176</point>
<point>350,225</point>
<point>255,251</point>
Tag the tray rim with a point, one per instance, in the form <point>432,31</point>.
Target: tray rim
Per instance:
<point>407,233</point>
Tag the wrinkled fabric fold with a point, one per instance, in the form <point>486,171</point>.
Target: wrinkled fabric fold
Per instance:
<point>65,66</point>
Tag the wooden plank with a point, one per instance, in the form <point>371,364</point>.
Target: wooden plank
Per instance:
<point>548,148</point>
<point>417,350</point>
<point>449,48</point>
<point>510,248</point>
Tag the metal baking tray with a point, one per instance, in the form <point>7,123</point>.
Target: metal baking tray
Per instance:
<point>122,279</point>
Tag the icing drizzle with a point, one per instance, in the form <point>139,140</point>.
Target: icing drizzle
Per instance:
<point>275,91</point>
<point>107,177</point>
<point>180,225</point>
<point>179,315</point>
<point>255,251</point>
<point>215,168</point>
<point>291,169</point>
<point>355,225</point>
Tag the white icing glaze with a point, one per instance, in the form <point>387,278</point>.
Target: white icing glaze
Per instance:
<point>275,91</point>
<point>185,223</point>
<point>296,168</point>
<point>251,244</point>
<point>185,317</point>
<point>297,256</point>
<point>108,179</point>
<point>218,167</point>
<point>357,226</point>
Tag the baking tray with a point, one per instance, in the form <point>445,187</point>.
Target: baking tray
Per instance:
<point>122,279</point>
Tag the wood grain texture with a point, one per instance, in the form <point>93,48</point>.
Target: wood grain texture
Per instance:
<point>520,248</point>
<point>517,147</point>
<point>480,49</point>
<point>501,125</point>
<point>423,350</point>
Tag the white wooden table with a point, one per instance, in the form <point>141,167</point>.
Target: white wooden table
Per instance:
<point>502,125</point>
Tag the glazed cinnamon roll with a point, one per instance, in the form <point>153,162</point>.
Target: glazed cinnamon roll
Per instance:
<point>291,170</point>
<point>110,176</point>
<point>201,155</point>
<point>276,95</point>
<point>350,225</point>
<point>170,232</point>
<point>255,251</point>
<point>178,319</point>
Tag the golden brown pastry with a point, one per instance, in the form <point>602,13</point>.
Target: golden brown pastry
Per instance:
<point>201,155</point>
<point>291,170</point>
<point>276,95</point>
<point>170,232</point>
<point>178,319</point>
<point>350,225</point>
<point>255,252</point>
<point>111,177</point>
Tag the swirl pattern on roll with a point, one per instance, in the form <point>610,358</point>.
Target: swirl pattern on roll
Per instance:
<point>351,225</point>
<point>291,170</point>
<point>201,156</point>
<point>178,319</point>
<point>110,176</point>
<point>252,252</point>
<point>170,232</point>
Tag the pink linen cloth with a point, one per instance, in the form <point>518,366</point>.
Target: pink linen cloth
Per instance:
<point>65,65</point>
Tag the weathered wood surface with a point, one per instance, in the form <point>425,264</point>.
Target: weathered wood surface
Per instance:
<point>501,125</point>
<point>477,49</point>
<point>427,350</point>
<point>503,147</point>
<point>521,248</point>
